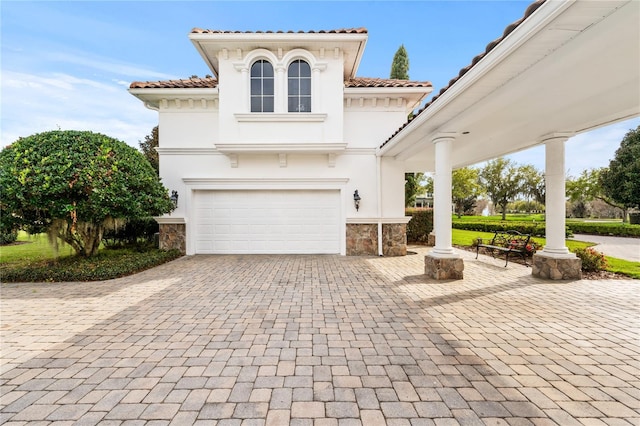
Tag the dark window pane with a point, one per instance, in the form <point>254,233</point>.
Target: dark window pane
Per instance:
<point>305,104</point>
<point>294,69</point>
<point>267,86</point>
<point>305,69</point>
<point>256,104</point>
<point>256,86</point>
<point>305,86</point>
<point>256,69</point>
<point>267,69</point>
<point>267,104</point>
<point>293,87</point>
<point>293,104</point>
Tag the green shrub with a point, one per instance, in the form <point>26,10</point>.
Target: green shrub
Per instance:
<point>8,236</point>
<point>592,260</point>
<point>420,225</point>
<point>605,228</point>
<point>107,264</point>
<point>530,228</point>
<point>134,232</point>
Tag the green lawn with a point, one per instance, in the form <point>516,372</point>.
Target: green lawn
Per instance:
<point>33,248</point>
<point>498,218</point>
<point>461,237</point>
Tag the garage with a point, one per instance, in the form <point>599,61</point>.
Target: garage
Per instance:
<point>267,222</point>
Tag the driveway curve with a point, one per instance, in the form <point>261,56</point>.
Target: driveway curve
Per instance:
<point>314,340</point>
<point>621,248</point>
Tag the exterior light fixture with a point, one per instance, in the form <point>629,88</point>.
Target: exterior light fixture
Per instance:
<point>174,199</point>
<point>356,200</point>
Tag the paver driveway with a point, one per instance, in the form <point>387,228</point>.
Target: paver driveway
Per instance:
<point>320,340</point>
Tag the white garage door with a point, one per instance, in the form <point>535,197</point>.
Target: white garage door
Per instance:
<point>235,222</point>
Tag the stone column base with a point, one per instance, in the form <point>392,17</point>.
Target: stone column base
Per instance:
<point>362,239</point>
<point>394,239</point>
<point>173,237</point>
<point>442,268</point>
<point>556,268</point>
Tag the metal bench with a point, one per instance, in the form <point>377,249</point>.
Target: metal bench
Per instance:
<point>506,242</point>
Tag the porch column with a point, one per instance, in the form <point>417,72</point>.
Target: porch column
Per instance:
<point>443,263</point>
<point>555,261</point>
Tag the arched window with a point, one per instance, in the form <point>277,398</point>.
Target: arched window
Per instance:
<point>299,93</point>
<point>261,86</point>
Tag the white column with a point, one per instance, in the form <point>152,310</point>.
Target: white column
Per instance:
<point>280,91</point>
<point>555,197</point>
<point>442,197</point>
<point>246,89</point>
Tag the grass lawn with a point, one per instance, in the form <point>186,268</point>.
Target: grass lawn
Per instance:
<point>32,248</point>
<point>461,237</point>
<point>36,261</point>
<point>497,218</point>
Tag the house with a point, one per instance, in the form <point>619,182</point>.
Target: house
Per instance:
<point>278,152</point>
<point>287,151</point>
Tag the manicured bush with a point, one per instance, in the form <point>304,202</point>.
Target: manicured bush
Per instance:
<point>522,227</point>
<point>605,228</point>
<point>420,225</point>
<point>592,260</point>
<point>134,232</point>
<point>634,218</point>
<point>107,264</point>
<point>8,236</point>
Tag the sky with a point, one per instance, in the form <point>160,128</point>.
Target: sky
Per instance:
<point>68,65</point>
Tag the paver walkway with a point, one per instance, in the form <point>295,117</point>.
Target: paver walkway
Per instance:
<point>320,340</point>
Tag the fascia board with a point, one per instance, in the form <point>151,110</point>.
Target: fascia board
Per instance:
<point>175,92</point>
<point>386,91</point>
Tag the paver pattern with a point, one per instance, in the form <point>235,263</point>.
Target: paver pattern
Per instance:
<point>321,340</point>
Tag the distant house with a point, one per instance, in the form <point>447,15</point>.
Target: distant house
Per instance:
<point>268,156</point>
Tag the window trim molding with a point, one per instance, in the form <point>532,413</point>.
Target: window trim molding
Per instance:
<point>280,65</point>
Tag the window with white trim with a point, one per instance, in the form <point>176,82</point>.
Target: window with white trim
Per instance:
<point>299,93</point>
<point>262,86</point>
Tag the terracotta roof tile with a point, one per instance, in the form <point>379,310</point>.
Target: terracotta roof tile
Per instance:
<point>191,83</point>
<point>384,82</point>
<point>338,31</point>
<point>532,8</point>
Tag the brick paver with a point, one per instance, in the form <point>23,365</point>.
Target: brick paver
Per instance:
<point>315,340</point>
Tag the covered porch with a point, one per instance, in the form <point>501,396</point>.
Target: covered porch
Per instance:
<point>565,68</point>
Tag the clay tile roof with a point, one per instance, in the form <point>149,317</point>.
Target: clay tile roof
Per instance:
<point>338,31</point>
<point>191,83</point>
<point>532,8</point>
<point>384,82</point>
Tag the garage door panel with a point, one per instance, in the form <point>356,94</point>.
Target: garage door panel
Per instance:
<point>267,221</point>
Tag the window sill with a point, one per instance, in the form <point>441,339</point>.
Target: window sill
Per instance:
<point>294,117</point>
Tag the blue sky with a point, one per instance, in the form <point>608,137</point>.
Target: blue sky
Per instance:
<point>68,64</point>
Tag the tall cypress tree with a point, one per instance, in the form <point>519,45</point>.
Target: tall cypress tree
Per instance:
<point>400,65</point>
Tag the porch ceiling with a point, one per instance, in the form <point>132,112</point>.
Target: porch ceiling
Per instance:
<point>570,67</point>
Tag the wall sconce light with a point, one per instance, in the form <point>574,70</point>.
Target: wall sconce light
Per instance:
<point>174,199</point>
<point>356,200</point>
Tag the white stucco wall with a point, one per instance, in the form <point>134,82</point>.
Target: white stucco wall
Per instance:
<point>218,144</point>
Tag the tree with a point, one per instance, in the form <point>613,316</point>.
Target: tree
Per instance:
<point>148,148</point>
<point>502,182</point>
<point>400,64</point>
<point>533,184</point>
<point>77,184</point>
<point>587,187</point>
<point>465,188</point>
<point>412,187</point>
<point>621,181</point>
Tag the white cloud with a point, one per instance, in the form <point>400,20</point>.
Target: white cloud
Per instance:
<point>33,103</point>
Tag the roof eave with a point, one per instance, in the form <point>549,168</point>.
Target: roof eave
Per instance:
<point>526,30</point>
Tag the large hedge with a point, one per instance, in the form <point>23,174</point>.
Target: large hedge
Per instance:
<point>601,228</point>
<point>420,225</point>
<point>77,184</point>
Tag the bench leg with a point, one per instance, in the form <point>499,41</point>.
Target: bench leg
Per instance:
<point>507,260</point>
